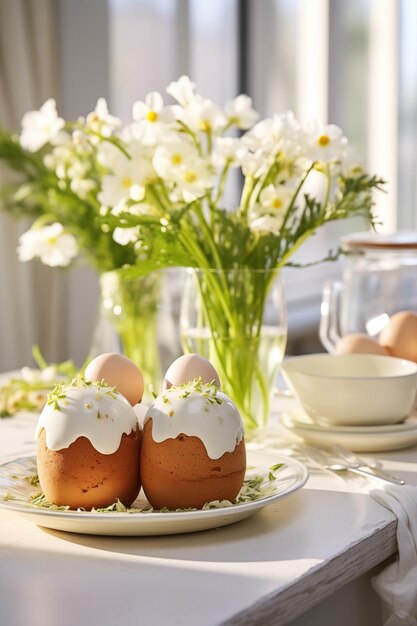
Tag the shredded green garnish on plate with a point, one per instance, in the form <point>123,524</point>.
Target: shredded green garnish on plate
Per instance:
<point>116,507</point>
<point>254,488</point>
<point>276,467</point>
<point>273,469</point>
<point>32,480</point>
<point>38,499</point>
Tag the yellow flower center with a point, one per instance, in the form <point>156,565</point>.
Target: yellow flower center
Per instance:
<point>152,116</point>
<point>176,159</point>
<point>190,177</point>
<point>52,241</point>
<point>205,126</point>
<point>127,182</point>
<point>277,203</point>
<point>323,140</point>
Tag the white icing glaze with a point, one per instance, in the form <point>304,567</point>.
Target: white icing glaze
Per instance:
<point>140,412</point>
<point>88,412</point>
<point>218,425</point>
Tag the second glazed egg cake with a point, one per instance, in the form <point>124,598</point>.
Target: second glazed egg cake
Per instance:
<point>193,448</point>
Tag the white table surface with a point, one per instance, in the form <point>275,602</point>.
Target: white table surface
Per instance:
<point>267,569</point>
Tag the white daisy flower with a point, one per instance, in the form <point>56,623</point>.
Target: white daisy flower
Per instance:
<point>152,118</point>
<point>351,166</point>
<point>144,208</point>
<point>228,151</point>
<point>279,134</point>
<point>268,215</point>
<point>100,121</point>
<point>125,182</point>
<point>40,127</point>
<point>325,143</point>
<point>120,207</point>
<point>77,169</point>
<point>240,113</point>
<point>182,90</point>
<point>205,116</point>
<point>58,160</point>
<point>124,236</point>
<point>265,224</point>
<point>81,142</point>
<point>255,164</point>
<point>107,154</point>
<point>117,189</point>
<point>140,208</point>
<point>51,244</point>
<point>276,199</point>
<point>82,186</point>
<point>193,181</point>
<point>171,157</point>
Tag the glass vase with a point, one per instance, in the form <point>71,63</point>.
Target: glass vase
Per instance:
<point>237,319</point>
<point>134,319</point>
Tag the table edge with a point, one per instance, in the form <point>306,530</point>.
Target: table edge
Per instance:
<point>280,608</point>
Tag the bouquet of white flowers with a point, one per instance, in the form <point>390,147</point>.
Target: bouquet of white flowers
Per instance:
<point>151,194</point>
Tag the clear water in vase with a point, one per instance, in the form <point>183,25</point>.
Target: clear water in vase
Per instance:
<point>256,363</point>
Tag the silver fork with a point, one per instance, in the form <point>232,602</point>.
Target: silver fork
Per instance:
<point>354,459</point>
<point>327,460</point>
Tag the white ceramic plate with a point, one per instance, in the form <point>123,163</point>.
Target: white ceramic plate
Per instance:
<point>291,477</point>
<point>355,438</point>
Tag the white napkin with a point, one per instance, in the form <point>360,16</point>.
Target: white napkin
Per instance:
<point>397,583</point>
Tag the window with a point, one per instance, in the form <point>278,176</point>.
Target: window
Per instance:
<point>341,61</point>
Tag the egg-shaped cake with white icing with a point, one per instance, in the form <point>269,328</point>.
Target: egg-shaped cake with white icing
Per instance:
<point>88,447</point>
<point>193,448</point>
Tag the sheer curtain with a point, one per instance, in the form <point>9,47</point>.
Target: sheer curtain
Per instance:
<point>31,295</point>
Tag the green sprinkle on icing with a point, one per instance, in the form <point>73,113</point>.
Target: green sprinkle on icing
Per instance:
<point>207,390</point>
<point>58,395</point>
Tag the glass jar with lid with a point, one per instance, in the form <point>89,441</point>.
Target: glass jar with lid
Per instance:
<point>379,279</point>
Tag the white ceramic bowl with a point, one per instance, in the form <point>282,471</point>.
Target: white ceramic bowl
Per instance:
<point>352,389</point>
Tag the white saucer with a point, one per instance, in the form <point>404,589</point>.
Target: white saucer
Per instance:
<point>356,438</point>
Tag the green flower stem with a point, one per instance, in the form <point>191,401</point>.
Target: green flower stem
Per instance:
<point>222,183</point>
<point>163,191</point>
<point>114,141</point>
<point>43,220</point>
<point>138,334</point>
<point>234,348</point>
<point>294,248</point>
<point>327,189</point>
<point>265,391</point>
<point>226,128</point>
<point>212,315</point>
<point>187,237</point>
<point>294,198</point>
<point>155,196</point>
<point>246,194</point>
<point>136,324</point>
<point>209,135</point>
<point>210,240</point>
<point>187,130</point>
<point>261,184</point>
